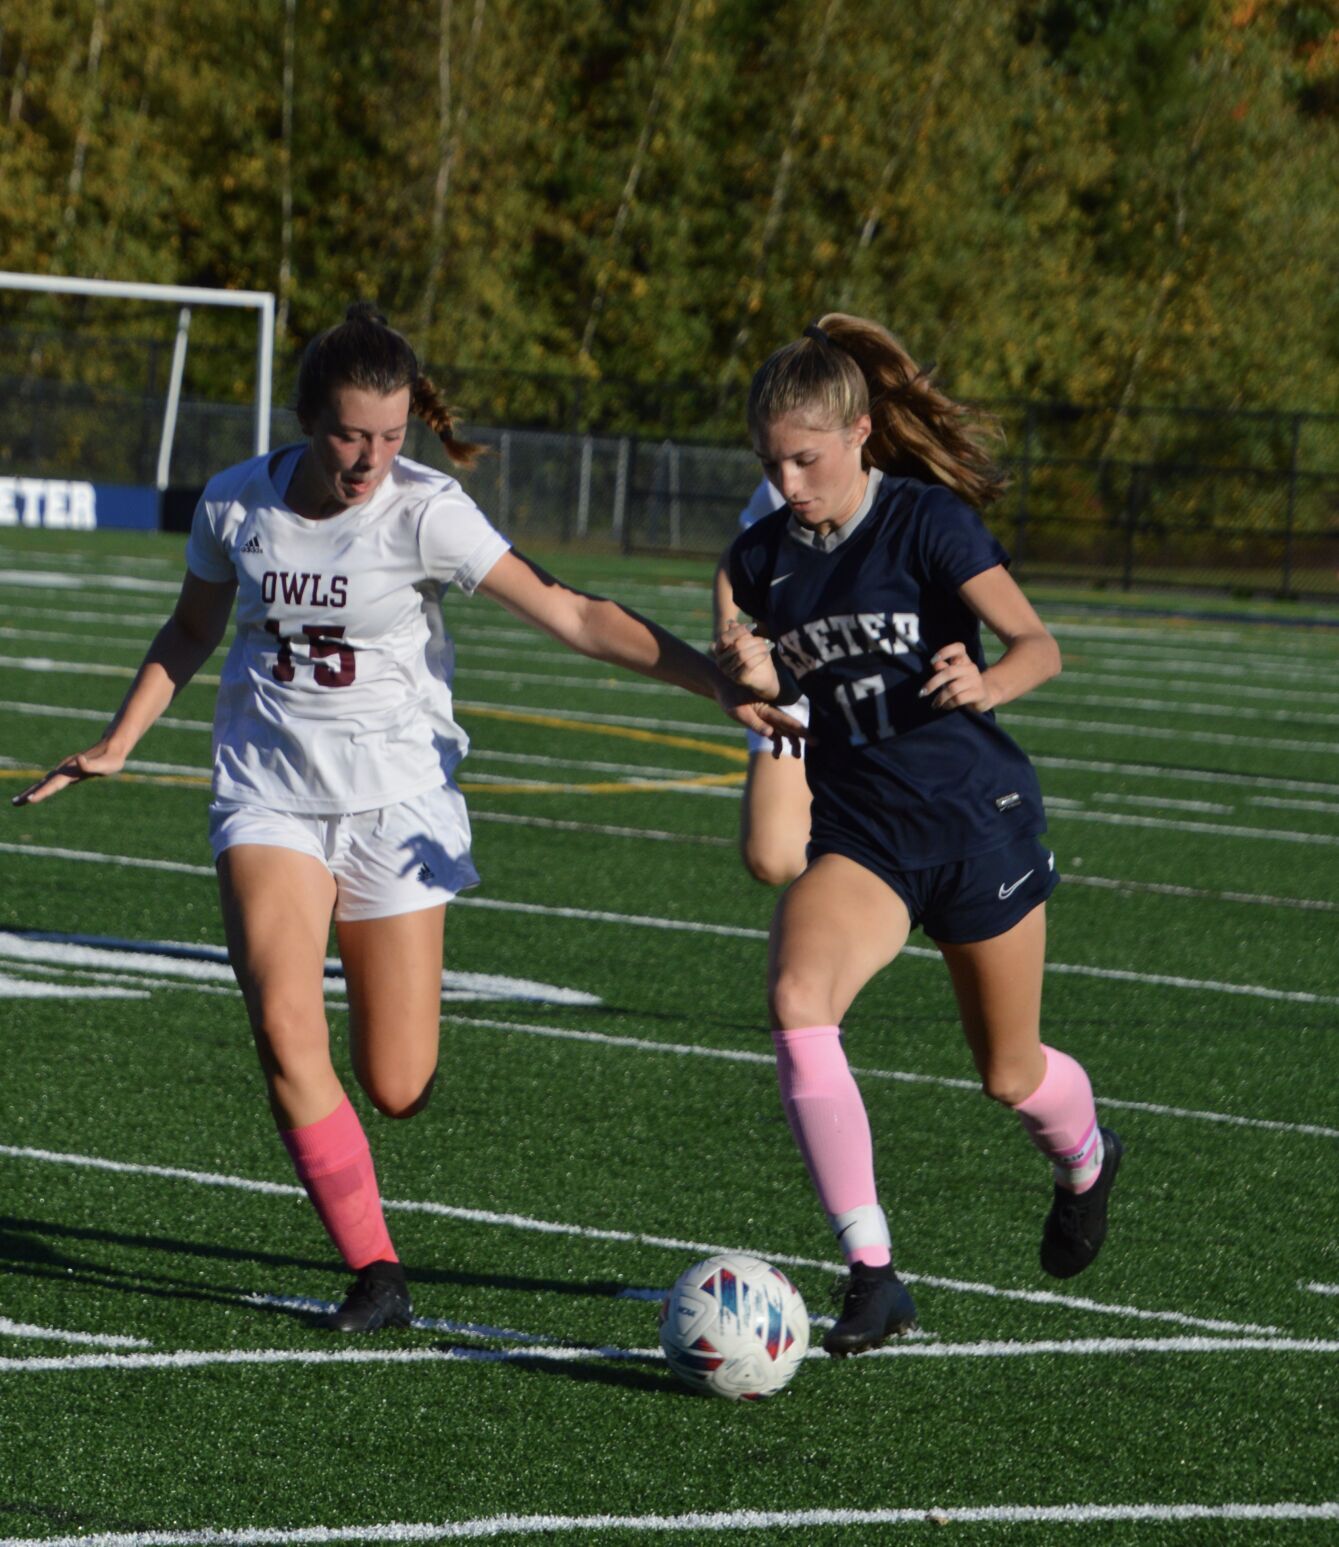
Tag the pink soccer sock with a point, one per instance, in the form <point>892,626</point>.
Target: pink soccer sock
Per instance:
<point>823,1106</point>
<point>1061,1121</point>
<point>334,1164</point>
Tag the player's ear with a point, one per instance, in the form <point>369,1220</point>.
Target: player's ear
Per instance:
<point>859,430</point>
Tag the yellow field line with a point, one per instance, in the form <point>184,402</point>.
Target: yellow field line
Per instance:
<point>623,732</point>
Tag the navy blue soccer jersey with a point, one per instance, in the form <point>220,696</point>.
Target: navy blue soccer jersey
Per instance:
<point>856,621</point>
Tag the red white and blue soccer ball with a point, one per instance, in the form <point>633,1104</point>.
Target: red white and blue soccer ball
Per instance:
<point>734,1326</point>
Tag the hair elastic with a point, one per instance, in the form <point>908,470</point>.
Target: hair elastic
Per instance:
<point>814,331</point>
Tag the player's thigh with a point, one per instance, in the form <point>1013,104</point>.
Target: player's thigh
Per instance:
<point>277,904</point>
<point>393,972</point>
<point>774,817</point>
<point>998,985</point>
<point>834,928</point>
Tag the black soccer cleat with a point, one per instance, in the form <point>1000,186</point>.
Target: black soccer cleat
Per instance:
<point>1077,1224</point>
<point>378,1297</point>
<point>877,1306</point>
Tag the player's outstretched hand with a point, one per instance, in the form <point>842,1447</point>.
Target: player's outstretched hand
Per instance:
<point>745,656</point>
<point>739,704</point>
<point>957,682</point>
<point>96,763</point>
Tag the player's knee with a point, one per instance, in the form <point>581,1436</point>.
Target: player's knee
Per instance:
<point>399,1096</point>
<point>292,1042</point>
<point>1009,1084</point>
<point>800,998</point>
<point>770,865</point>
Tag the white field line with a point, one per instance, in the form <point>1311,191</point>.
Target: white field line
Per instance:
<point>57,580</point>
<point>1105,684</point>
<point>53,711</point>
<point>1166,704</point>
<point>1328,807</point>
<point>1192,775</point>
<point>1178,663</point>
<point>150,617</point>
<point>48,851</point>
<point>1014,716</point>
<point>1173,825</point>
<point>900,1076</point>
<point>635,1238</point>
<point>197,1359</point>
<point>740,932</point>
<point>1166,803</point>
<point>139,642</point>
<point>24,988</point>
<point>1155,634</point>
<point>682,785</point>
<point>584,765</point>
<point>21,1329</point>
<point>81,974</point>
<point>45,664</point>
<point>655,835</point>
<point>1321,1289</point>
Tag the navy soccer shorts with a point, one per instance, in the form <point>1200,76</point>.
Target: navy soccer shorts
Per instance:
<point>966,899</point>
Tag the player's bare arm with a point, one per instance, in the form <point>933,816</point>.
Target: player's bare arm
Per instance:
<point>183,644</point>
<point>723,608</point>
<point>607,631</point>
<point>1031,655</point>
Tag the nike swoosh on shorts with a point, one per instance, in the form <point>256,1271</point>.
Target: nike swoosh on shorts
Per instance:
<point>1008,891</point>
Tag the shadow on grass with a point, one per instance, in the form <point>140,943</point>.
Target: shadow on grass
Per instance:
<point>35,1248</point>
<point>599,1371</point>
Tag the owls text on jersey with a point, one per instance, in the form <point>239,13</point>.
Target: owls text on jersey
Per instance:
<point>336,693</point>
<point>856,618</point>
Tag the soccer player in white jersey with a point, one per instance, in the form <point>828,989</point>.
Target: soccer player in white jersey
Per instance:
<point>871,588</point>
<point>335,748</point>
<point>774,814</point>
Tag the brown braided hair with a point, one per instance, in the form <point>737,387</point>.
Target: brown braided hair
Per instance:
<point>364,351</point>
<point>847,366</point>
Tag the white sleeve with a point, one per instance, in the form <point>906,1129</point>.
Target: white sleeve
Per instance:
<point>456,541</point>
<point>205,554</point>
<point>762,502</point>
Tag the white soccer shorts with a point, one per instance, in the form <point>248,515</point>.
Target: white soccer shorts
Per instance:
<point>401,858</point>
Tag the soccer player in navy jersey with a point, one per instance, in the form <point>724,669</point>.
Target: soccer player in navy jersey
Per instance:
<point>869,587</point>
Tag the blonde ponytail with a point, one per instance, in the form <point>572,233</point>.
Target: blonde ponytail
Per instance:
<point>847,366</point>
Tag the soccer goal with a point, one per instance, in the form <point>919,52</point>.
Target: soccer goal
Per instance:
<point>261,302</point>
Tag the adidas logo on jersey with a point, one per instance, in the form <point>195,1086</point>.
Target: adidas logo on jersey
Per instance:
<point>252,545</point>
<point>425,875</point>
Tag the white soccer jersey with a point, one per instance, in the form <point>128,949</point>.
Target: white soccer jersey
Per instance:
<point>762,502</point>
<point>336,693</point>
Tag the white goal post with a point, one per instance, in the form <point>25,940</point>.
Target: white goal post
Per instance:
<point>185,296</point>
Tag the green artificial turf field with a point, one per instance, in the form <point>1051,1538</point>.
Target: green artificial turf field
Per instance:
<point>609,1113</point>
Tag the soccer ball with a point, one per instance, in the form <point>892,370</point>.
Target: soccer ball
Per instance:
<point>734,1326</point>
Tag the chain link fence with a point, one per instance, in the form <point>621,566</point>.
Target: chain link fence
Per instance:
<point>1238,501</point>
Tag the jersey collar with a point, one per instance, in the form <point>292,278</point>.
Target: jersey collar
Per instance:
<point>846,530</point>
